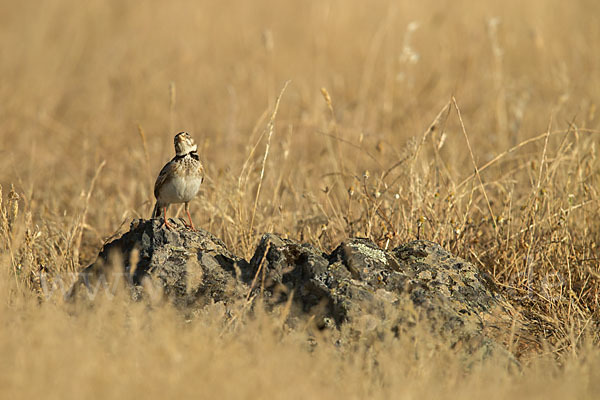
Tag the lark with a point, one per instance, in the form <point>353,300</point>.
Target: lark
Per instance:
<point>180,179</point>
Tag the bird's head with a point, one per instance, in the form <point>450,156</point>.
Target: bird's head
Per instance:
<point>184,144</point>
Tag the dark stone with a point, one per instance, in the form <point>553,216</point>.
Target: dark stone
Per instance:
<point>416,283</point>
<point>189,267</point>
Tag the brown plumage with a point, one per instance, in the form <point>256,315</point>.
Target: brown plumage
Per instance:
<point>180,179</point>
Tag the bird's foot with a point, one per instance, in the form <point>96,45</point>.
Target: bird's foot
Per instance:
<point>190,226</point>
<point>166,224</point>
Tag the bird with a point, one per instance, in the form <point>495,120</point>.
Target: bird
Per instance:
<point>180,179</point>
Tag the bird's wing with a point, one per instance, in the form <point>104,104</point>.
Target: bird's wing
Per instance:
<point>164,175</point>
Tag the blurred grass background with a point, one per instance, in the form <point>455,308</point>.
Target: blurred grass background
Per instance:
<point>367,142</point>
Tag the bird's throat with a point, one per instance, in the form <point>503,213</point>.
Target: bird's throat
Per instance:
<point>193,154</point>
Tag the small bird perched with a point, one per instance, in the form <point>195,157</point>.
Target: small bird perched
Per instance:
<point>179,180</point>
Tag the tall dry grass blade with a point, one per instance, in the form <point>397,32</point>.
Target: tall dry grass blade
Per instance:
<point>431,128</point>
<point>270,129</point>
<point>534,209</point>
<point>487,200</point>
<point>147,156</point>
<point>258,271</point>
<point>13,207</point>
<point>79,228</point>
<point>3,217</point>
<point>253,150</point>
<point>543,159</point>
<point>339,160</point>
<point>285,312</point>
<point>11,215</point>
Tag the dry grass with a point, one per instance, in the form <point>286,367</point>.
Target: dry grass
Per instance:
<point>472,124</point>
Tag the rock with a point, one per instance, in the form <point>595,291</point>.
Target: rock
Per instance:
<point>358,286</point>
<point>419,281</point>
<point>192,268</point>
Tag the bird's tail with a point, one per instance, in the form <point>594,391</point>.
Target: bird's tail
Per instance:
<point>156,211</point>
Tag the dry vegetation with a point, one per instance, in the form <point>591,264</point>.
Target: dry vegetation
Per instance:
<point>472,124</point>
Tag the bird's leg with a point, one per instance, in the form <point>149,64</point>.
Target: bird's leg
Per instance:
<point>166,219</point>
<point>187,210</point>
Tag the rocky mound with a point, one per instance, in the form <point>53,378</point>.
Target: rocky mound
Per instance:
<point>414,283</point>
